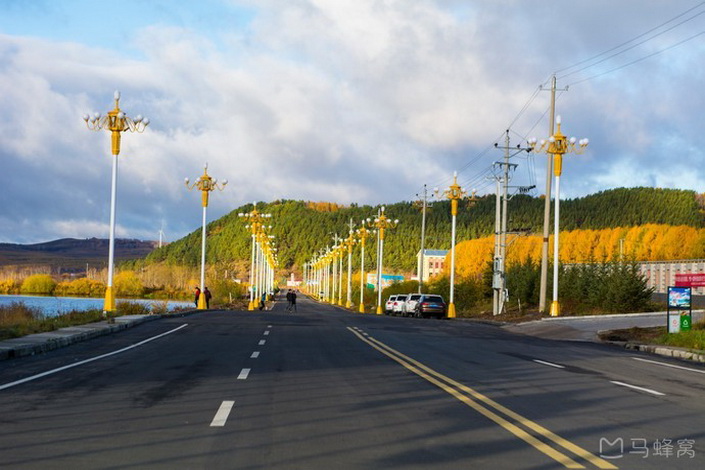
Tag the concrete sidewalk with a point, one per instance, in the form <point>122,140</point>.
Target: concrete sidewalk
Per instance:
<point>587,328</point>
<point>43,342</point>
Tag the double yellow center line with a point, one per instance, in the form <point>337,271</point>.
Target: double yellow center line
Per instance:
<point>516,424</point>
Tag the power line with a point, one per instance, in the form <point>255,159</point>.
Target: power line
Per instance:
<point>479,177</point>
<point>640,59</point>
<point>632,40</point>
<point>526,105</point>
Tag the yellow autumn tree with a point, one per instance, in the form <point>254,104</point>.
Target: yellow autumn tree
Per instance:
<point>650,242</point>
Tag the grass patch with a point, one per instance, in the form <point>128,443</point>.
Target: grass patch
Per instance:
<point>17,320</point>
<point>693,339</point>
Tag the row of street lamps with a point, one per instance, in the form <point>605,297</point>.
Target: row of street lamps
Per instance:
<point>324,272</point>
<point>263,256</point>
<point>325,269</point>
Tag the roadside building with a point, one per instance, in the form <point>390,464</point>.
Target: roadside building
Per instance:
<point>432,262</point>
<point>661,274</point>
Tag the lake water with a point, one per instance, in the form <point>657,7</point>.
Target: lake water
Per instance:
<point>51,306</point>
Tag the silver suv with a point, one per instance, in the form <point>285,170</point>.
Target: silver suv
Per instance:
<point>389,304</point>
<point>410,304</point>
<point>398,305</point>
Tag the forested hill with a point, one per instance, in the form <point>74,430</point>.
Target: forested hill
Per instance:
<point>302,228</point>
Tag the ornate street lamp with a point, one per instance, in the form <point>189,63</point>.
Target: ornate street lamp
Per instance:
<point>557,145</point>
<point>349,243</point>
<point>454,193</point>
<point>256,225</point>
<point>116,122</point>
<point>362,234</point>
<point>205,184</point>
<point>381,223</point>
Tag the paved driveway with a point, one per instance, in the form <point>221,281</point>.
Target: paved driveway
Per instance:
<point>586,328</point>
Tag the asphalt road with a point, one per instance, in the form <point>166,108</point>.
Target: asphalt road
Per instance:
<point>324,388</point>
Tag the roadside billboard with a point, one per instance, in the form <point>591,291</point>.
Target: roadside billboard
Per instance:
<point>680,302</point>
<point>690,280</point>
<point>387,280</point>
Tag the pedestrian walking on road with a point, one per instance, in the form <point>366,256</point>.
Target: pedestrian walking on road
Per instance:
<point>197,293</point>
<point>288,300</point>
<point>207,294</point>
<point>293,300</point>
<point>262,301</point>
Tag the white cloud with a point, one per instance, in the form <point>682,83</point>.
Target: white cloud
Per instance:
<point>349,101</point>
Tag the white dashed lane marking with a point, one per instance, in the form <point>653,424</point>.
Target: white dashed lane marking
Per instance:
<point>221,416</point>
<point>551,364</point>
<point>641,389</point>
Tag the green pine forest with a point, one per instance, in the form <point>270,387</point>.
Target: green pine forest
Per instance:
<point>302,228</point>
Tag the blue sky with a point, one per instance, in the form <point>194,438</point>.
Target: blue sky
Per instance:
<point>109,24</point>
<point>332,100</point>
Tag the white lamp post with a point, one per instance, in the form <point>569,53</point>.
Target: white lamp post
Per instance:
<point>205,184</point>
<point>381,223</point>
<point>558,145</point>
<point>454,193</point>
<point>116,122</point>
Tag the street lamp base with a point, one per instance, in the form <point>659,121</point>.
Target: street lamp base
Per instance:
<point>251,305</point>
<point>201,301</point>
<point>109,304</point>
<point>362,308</point>
<point>555,309</point>
<point>379,310</point>
<point>451,310</point>
<point>348,304</point>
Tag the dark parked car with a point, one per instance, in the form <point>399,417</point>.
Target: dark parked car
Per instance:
<point>430,305</point>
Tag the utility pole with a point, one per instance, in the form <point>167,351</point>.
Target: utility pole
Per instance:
<point>497,230</point>
<point>423,237</point>
<point>547,205</point>
<point>499,278</point>
<point>503,238</point>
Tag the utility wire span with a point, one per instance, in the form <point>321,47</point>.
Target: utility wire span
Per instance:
<point>590,61</point>
<point>526,106</point>
<point>640,59</point>
<point>577,64</point>
<point>625,50</point>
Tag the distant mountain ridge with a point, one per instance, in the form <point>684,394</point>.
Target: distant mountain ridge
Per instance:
<point>72,254</point>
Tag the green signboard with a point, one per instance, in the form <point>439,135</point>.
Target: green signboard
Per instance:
<point>685,321</point>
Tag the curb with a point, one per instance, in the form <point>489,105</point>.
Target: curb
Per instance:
<point>42,342</point>
<point>611,315</point>
<point>659,350</point>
